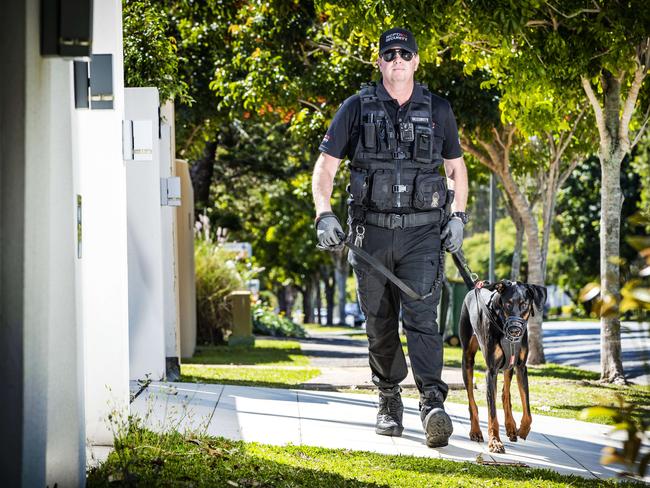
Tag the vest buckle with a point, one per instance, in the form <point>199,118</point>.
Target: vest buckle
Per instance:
<point>399,155</point>
<point>400,188</point>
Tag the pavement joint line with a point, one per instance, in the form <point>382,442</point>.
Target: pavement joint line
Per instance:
<point>574,459</point>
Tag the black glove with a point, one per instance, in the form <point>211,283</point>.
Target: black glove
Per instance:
<point>329,231</point>
<point>452,235</point>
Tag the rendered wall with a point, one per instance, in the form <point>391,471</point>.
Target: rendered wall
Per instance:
<point>186,277</point>
<point>145,237</point>
<point>169,247</point>
<point>101,182</point>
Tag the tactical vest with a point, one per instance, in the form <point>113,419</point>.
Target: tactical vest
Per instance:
<point>395,167</point>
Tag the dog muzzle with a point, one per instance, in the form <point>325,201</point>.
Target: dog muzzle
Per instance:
<point>514,329</point>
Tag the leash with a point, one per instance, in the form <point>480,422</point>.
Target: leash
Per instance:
<point>375,263</point>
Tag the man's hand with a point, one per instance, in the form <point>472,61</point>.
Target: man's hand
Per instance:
<point>452,235</point>
<point>329,231</point>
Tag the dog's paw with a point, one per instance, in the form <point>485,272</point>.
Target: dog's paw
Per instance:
<point>511,431</point>
<point>523,431</point>
<point>476,436</point>
<point>495,445</point>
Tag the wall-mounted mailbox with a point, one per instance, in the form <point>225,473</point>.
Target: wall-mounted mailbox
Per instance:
<point>66,28</point>
<point>81,84</point>
<point>170,191</point>
<point>137,140</point>
<point>101,81</point>
<point>93,82</point>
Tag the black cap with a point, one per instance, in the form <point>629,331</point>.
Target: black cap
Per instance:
<point>395,38</point>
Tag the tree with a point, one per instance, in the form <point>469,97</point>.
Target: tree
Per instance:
<point>603,48</point>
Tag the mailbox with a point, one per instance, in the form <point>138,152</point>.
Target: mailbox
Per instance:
<point>137,140</point>
<point>66,28</point>
<point>170,191</point>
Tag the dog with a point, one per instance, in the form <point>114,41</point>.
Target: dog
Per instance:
<point>494,317</point>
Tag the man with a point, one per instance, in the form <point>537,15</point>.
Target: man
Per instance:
<point>396,135</point>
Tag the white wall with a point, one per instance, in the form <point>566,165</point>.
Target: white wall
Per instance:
<point>145,237</point>
<point>169,241</point>
<point>101,181</point>
<point>53,447</point>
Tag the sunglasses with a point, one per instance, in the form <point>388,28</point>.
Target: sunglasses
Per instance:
<point>392,53</point>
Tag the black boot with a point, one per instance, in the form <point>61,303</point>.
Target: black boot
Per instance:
<point>435,421</point>
<point>389,416</point>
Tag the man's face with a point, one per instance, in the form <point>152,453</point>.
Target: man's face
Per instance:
<point>398,70</point>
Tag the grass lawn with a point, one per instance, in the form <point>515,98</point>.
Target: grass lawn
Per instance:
<point>559,391</point>
<point>143,458</point>
<point>269,363</point>
<point>324,329</point>
<point>247,376</point>
<point>265,351</point>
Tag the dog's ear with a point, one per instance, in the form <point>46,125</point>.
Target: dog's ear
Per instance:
<point>537,294</point>
<point>499,286</point>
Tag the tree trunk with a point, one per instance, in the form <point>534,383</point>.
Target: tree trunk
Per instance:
<point>282,299</point>
<point>319,302</point>
<point>535,274</point>
<point>342,268</point>
<point>611,201</point>
<point>329,294</point>
<point>515,267</point>
<point>308,301</point>
<point>201,173</point>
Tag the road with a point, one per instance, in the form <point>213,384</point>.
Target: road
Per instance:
<point>578,344</point>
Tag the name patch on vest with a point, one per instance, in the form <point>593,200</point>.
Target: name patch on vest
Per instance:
<point>420,120</point>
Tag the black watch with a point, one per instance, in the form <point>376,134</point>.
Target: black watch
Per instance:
<point>464,218</point>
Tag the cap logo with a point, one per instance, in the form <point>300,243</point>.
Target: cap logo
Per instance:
<point>397,36</point>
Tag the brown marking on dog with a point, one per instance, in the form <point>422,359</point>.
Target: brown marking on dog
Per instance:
<point>494,441</point>
<point>522,383</point>
<point>511,426</point>
<point>469,355</point>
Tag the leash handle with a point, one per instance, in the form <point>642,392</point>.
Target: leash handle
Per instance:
<point>469,278</point>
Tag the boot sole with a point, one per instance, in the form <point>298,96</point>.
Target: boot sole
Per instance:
<point>390,431</point>
<point>438,428</point>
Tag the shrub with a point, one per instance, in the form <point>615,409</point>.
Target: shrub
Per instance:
<point>267,322</point>
<point>216,278</point>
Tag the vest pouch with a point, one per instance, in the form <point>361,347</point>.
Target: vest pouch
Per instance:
<point>423,150</point>
<point>381,196</point>
<point>358,187</point>
<point>369,135</point>
<point>430,191</point>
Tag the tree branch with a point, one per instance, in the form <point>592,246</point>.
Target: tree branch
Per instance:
<point>632,95</point>
<point>641,131</point>
<point>482,158</point>
<point>567,172</point>
<point>598,110</point>
<point>328,49</point>
<point>310,104</point>
<point>576,13</point>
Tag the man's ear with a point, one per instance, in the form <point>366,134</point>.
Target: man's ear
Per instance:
<point>537,294</point>
<point>499,286</point>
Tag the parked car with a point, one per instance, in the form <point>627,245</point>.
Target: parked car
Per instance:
<point>353,315</point>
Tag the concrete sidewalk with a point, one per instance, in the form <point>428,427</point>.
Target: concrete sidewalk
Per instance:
<point>337,420</point>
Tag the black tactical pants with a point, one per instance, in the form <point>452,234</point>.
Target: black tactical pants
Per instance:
<point>413,255</point>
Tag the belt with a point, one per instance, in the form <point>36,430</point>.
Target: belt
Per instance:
<point>403,221</point>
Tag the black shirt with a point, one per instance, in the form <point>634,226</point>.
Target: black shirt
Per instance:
<point>343,133</point>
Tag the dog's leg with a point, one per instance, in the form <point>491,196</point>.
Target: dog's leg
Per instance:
<point>469,353</point>
<point>526,419</point>
<point>511,426</point>
<point>494,442</point>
